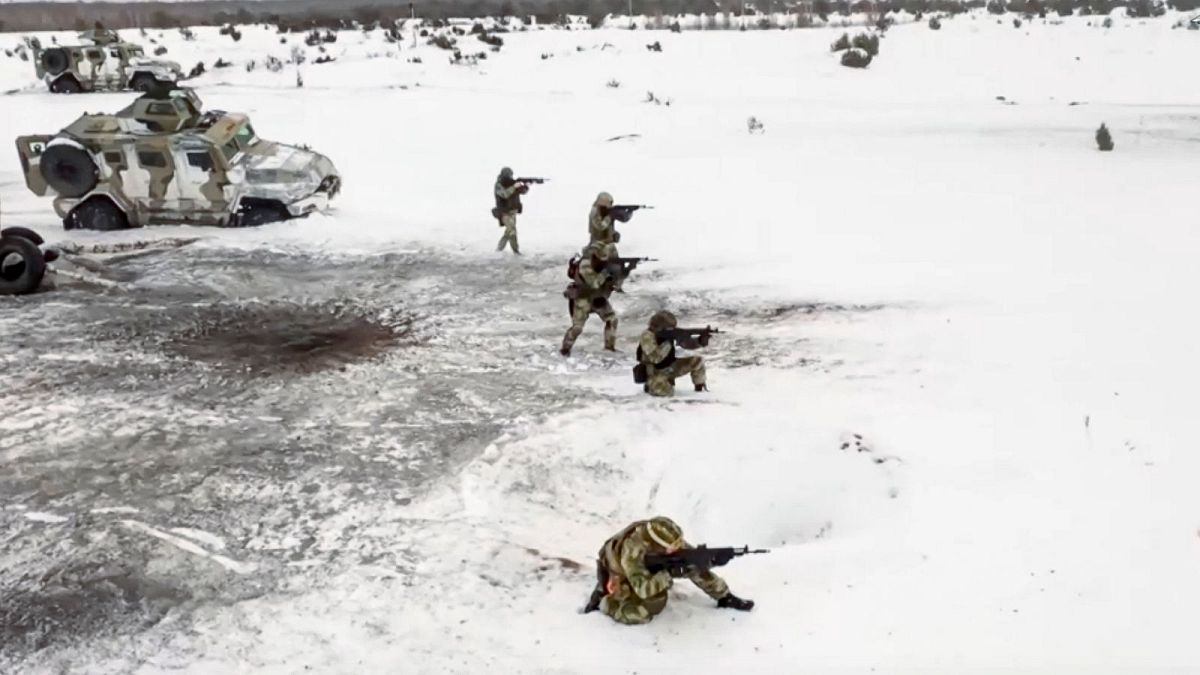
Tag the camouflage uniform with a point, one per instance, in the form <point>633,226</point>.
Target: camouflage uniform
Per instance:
<point>662,366</point>
<point>635,595</point>
<point>600,222</point>
<point>591,290</point>
<point>508,205</point>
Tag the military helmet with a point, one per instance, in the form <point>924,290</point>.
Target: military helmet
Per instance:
<point>664,532</point>
<point>506,172</point>
<point>663,320</point>
<point>598,250</point>
<point>604,199</point>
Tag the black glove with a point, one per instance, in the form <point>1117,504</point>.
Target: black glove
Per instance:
<point>616,237</point>
<point>732,601</point>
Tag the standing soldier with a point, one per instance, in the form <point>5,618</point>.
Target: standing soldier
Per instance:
<point>634,594</point>
<point>588,294</point>
<point>600,221</point>
<point>656,357</point>
<point>508,193</point>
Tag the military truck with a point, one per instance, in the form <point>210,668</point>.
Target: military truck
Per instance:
<point>103,63</point>
<point>162,160</point>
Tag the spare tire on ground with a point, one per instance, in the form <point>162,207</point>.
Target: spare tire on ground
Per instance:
<point>56,61</point>
<point>22,266</point>
<point>69,170</point>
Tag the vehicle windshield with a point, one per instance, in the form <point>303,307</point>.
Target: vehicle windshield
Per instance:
<point>229,150</point>
<point>134,51</point>
<point>245,137</point>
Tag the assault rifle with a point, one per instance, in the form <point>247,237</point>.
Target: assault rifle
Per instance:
<point>532,181</point>
<point>679,563</point>
<point>623,212</point>
<point>627,265</point>
<point>687,335</point>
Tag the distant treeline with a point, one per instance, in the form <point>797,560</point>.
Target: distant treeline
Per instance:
<point>305,14</point>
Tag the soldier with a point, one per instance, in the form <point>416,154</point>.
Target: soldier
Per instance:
<point>634,595</point>
<point>508,193</point>
<point>588,294</point>
<point>658,357</point>
<point>600,221</point>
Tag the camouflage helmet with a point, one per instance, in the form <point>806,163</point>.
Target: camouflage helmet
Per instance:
<point>506,172</point>
<point>604,199</point>
<point>663,320</point>
<point>598,250</point>
<point>664,532</point>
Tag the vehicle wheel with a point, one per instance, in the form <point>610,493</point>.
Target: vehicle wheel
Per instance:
<point>142,82</point>
<point>66,85</point>
<point>96,213</point>
<point>69,170</point>
<point>22,266</point>
<point>55,61</point>
<point>23,232</point>
<point>253,214</point>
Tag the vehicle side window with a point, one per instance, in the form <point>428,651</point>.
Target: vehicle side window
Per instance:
<point>160,109</point>
<point>95,55</point>
<point>229,149</point>
<point>114,53</point>
<point>152,160</point>
<point>200,160</point>
<point>115,159</point>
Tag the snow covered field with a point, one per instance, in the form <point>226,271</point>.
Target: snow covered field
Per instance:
<point>955,397</point>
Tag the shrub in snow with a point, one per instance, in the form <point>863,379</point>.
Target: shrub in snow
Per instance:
<point>866,42</point>
<point>298,55</point>
<point>477,29</point>
<point>273,64</point>
<point>997,7</point>
<point>325,59</point>
<point>654,47</point>
<point>843,43</point>
<point>443,42</point>
<point>222,63</point>
<point>232,31</point>
<point>935,24</point>
<point>651,98</point>
<point>1104,139</point>
<point>1108,22</point>
<point>187,34</point>
<point>197,71</point>
<point>754,126</point>
<point>415,59</point>
<point>613,84</point>
<point>856,58</point>
<point>251,65</point>
<point>1016,23</point>
<point>299,80</point>
<point>491,40</point>
<point>676,28</point>
<point>160,50</point>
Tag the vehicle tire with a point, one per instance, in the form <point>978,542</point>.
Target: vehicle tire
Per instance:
<point>69,170</point>
<point>255,213</point>
<point>56,61</point>
<point>97,213</point>
<point>66,85</point>
<point>22,266</point>
<point>23,232</point>
<point>142,82</point>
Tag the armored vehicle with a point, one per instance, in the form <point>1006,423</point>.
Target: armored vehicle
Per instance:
<point>104,63</point>
<point>161,160</point>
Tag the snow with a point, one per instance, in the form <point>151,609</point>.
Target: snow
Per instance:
<point>953,393</point>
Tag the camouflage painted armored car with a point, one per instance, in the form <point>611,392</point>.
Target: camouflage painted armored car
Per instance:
<point>162,160</point>
<point>104,63</point>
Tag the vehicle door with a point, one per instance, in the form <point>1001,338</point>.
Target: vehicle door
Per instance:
<point>206,194</point>
<point>152,181</point>
<point>92,67</point>
<point>114,67</point>
<point>30,149</point>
